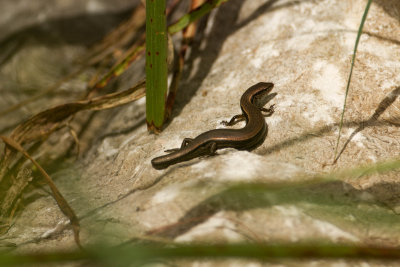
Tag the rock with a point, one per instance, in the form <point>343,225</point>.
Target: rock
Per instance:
<point>305,49</point>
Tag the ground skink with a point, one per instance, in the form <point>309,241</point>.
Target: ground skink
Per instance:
<point>246,138</point>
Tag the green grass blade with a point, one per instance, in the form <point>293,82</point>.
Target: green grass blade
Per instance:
<point>364,17</point>
<point>202,10</point>
<point>156,63</point>
<point>140,254</point>
<point>156,55</point>
<point>119,68</point>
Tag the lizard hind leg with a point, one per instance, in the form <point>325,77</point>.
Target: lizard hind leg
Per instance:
<point>235,119</point>
<point>211,149</point>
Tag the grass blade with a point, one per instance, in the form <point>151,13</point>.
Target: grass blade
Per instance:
<point>185,20</point>
<point>156,63</point>
<point>360,28</point>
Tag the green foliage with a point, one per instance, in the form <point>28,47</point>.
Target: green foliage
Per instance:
<point>360,28</point>
<point>156,63</point>
<point>202,10</point>
<point>142,254</point>
<point>156,55</point>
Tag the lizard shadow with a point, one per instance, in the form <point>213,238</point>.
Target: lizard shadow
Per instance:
<point>385,103</point>
<point>331,196</point>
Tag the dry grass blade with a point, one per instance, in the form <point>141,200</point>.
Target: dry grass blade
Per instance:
<point>119,37</point>
<point>188,35</point>
<point>61,202</point>
<point>37,129</point>
<point>46,122</point>
<point>134,53</point>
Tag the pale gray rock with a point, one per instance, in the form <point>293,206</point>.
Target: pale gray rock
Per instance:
<point>305,49</point>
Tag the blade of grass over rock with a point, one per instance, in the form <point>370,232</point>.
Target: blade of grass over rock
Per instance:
<point>360,28</point>
<point>141,254</point>
<point>188,34</point>
<point>61,201</point>
<point>194,15</point>
<point>156,63</point>
<point>119,68</point>
<point>36,130</point>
